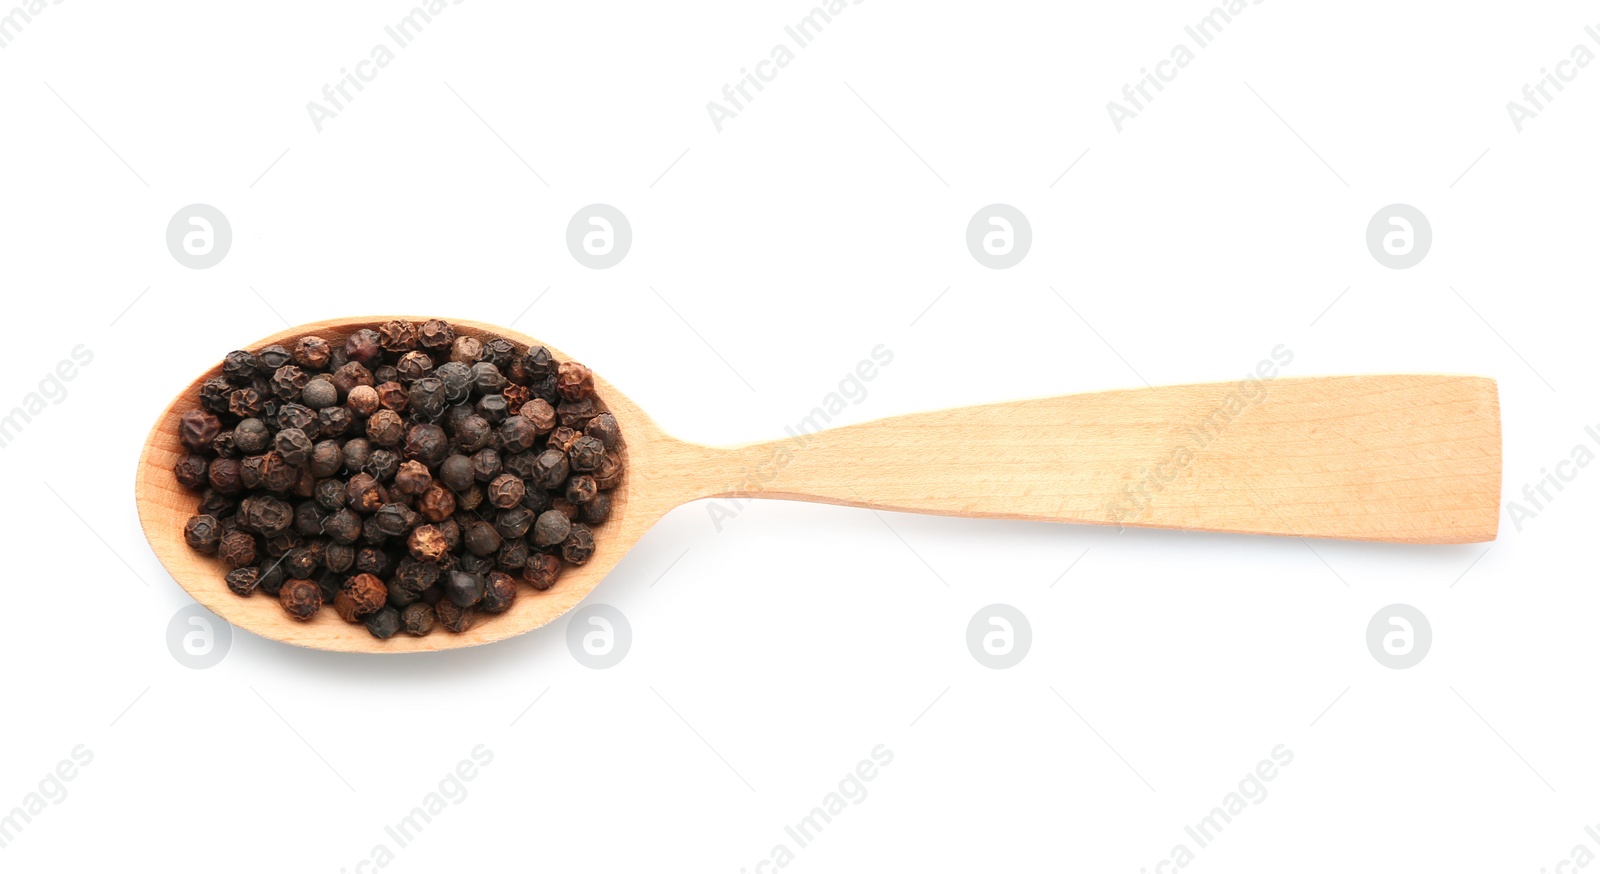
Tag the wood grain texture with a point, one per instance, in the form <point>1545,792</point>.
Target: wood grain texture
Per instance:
<point>1412,459</point>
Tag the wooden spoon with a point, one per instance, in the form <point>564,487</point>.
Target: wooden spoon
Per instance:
<point>1405,459</point>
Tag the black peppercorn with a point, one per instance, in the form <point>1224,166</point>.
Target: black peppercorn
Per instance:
<point>395,519</point>
<point>456,379</point>
<point>427,543</point>
<point>300,598</point>
<point>319,393</point>
<point>437,503</point>
<point>298,416</point>
<point>384,624</point>
<point>493,408</point>
<point>550,469</point>
<point>577,414</point>
<point>239,367</point>
<point>202,533</point>
<point>385,428</point>
<point>312,352</point>
<point>224,475</point>
<point>540,414</point>
<point>413,478</point>
<point>541,571</point>
<point>453,618</point>
<point>326,458</point>
<point>579,545</point>
<point>538,362</point>
<point>585,454</point>
<point>383,464</point>
<point>196,430</point>
<point>427,443</point>
<point>237,549</point>
<point>351,375</point>
<point>271,358</point>
<point>242,581</point>
<point>294,446</point>
<point>582,489</point>
<point>339,557</point>
<point>287,381</point>
<point>574,381</point>
<point>397,336</point>
<point>551,528</point>
<point>515,522</point>
<point>436,334</point>
<point>466,350</point>
<point>499,591</point>
<point>334,421</point>
<point>456,472</point>
<point>417,619</point>
<point>413,366</point>
<point>481,538</point>
<point>463,589</point>
<point>364,346</point>
<point>246,402</point>
<point>427,397</point>
<point>191,472</point>
<point>504,491</point>
<point>485,465</point>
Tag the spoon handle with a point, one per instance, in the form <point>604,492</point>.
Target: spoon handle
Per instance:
<point>1406,459</point>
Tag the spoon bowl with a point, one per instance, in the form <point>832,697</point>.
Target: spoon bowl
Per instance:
<point>1395,458</point>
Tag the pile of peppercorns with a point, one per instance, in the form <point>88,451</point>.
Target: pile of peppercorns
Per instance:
<point>408,476</point>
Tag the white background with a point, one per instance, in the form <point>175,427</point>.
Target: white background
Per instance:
<point>769,657</point>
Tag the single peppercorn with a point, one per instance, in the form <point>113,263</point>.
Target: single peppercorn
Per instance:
<point>550,469</point>
<point>585,454</point>
<point>493,409</point>
<point>540,414</point>
<point>287,382</point>
<point>466,350</point>
<point>385,428</point>
<point>350,375</point>
<point>237,549</point>
<point>456,379</point>
<point>271,358</point>
<point>383,464</point>
<point>294,446</point>
<point>541,571</point>
<point>417,619</point>
<point>334,421</point>
<point>367,592</point>
<point>579,545</point>
<point>485,465</point>
<point>499,591</point>
<point>436,334</point>
<point>437,503</point>
<point>364,346</point>
<point>202,533</point>
<point>384,624</point>
<point>551,528</point>
<point>393,396</point>
<point>451,617</point>
<point>196,430</point>
<point>463,589</point>
<point>191,472</point>
<point>300,598</point>
<point>480,538</point>
<point>224,475</point>
<point>412,478</point>
<point>319,394</point>
<point>505,491</point>
<point>242,581</point>
<point>427,543</point>
<point>326,458</point>
<point>311,352</point>
<point>582,489</point>
<point>574,381</point>
<point>427,443</point>
<point>239,367</point>
<point>577,414</point>
<point>515,522</point>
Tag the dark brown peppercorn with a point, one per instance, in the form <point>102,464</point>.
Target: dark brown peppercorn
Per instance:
<point>512,556</point>
<point>427,397</point>
<point>251,436</point>
<point>427,543</point>
<point>582,489</point>
<point>577,414</point>
<point>271,578</point>
<point>393,396</point>
<point>480,538</point>
<point>239,367</point>
<point>287,382</point>
<point>498,351</point>
<point>312,352</point>
<point>585,454</point>
<point>301,599</point>
<point>237,549</point>
<point>371,560</point>
<point>437,503</point>
<point>350,375</point>
<point>214,394</point>
<point>515,395</point>
<point>561,439</point>
<point>609,474</point>
<point>196,430</point>
<point>413,478</point>
<point>417,619</point>
<point>383,464</point>
<point>334,421</point>
<point>243,581</point>
<point>367,591</point>
<point>364,346</point>
<point>300,563</point>
<point>466,350</point>
<point>271,358</point>
<point>457,380</point>
<point>344,526</point>
<point>574,381</point>
<point>551,528</point>
<point>493,409</point>
<point>265,515</point>
<point>339,557</point>
<point>357,452</point>
<point>499,591</point>
<point>427,443</point>
<point>246,402</point>
<point>436,334</point>
<point>473,433</point>
<point>541,571</point>
<point>386,428</point>
<point>294,446</point>
<point>485,465</point>
<point>298,416</point>
<point>202,533</point>
<point>550,469</point>
<point>463,589</point>
<point>397,336</point>
<point>191,472</point>
<point>579,545</point>
<point>604,428</point>
<point>453,618</point>
<point>319,393</point>
<point>224,475</point>
<point>364,494</point>
<point>538,362</point>
<point>517,434</point>
<point>598,509</point>
<point>395,519</point>
<point>456,472</point>
<point>326,458</point>
<point>540,414</point>
<point>413,366</point>
<point>515,522</point>
<point>384,624</point>
<point>487,379</point>
<point>504,491</point>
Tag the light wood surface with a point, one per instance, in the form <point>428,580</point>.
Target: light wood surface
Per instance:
<point>1408,459</point>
